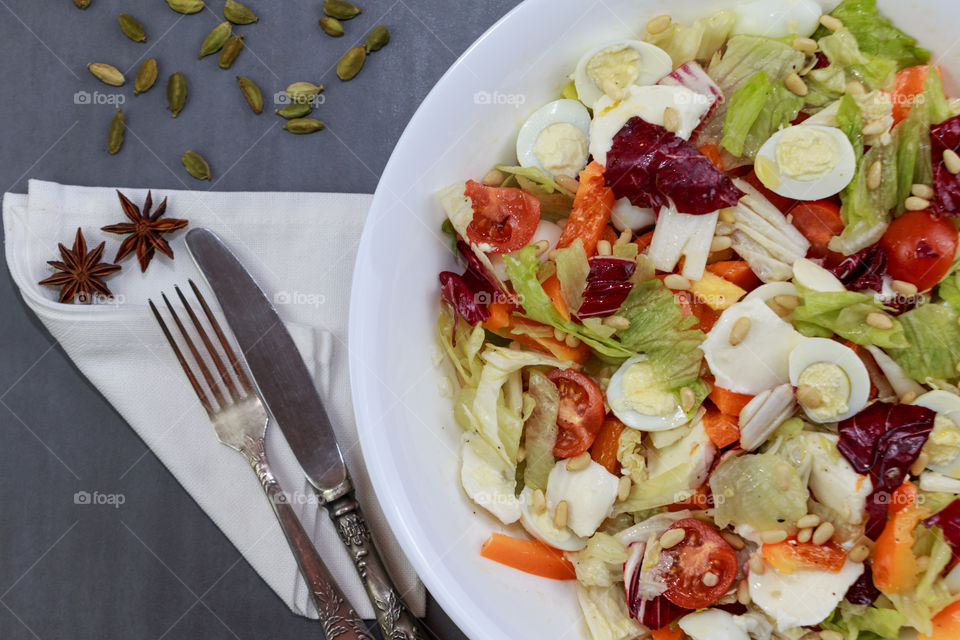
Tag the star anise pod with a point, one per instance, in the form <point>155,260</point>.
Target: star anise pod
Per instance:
<point>80,274</point>
<point>145,230</point>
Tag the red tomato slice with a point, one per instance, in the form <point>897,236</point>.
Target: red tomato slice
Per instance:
<point>818,221</point>
<point>581,412</point>
<point>920,248</point>
<point>685,565</point>
<point>505,218</point>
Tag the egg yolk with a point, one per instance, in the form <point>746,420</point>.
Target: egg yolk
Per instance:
<point>943,446</point>
<point>614,69</point>
<point>806,154</point>
<point>643,394</point>
<point>561,148</point>
<point>833,385</point>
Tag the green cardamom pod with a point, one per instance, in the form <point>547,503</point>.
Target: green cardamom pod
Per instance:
<point>186,6</point>
<point>117,128</point>
<point>195,165</point>
<point>107,73</point>
<point>304,125</point>
<point>216,39</point>
<point>146,76</point>
<point>252,93</point>
<point>295,110</point>
<point>230,52</point>
<point>176,93</point>
<point>378,39</point>
<point>331,26</point>
<point>340,9</point>
<point>238,13</point>
<point>303,92</point>
<point>132,28</point>
<point>82,4</point>
<point>351,63</point>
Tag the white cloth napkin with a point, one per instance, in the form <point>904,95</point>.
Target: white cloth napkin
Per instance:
<point>300,247</point>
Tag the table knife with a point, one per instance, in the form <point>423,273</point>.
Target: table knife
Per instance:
<point>287,389</point>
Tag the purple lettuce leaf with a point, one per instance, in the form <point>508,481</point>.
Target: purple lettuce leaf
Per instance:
<point>863,270</point>
<point>949,522</point>
<point>943,136</point>
<point>608,285</point>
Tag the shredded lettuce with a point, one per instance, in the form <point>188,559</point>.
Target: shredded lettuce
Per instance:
<point>465,354</point>
<point>937,103</point>
<point>759,490</point>
<point>600,564</point>
<point>555,201</point>
<point>572,271</point>
<point>933,342</point>
<point>865,211</point>
<point>844,313</point>
<point>540,431</point>
<point>915,165</point>
<point>605,610</point>
<point>756,110</point>
<point>847,62</point>
<point>857,622</point>
<point>747,55</point>
<point>850,121</point>
<point>658,491</point>
<point>698,41</point>
<point>877,34</point>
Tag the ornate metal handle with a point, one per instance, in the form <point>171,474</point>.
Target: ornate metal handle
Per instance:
<point>395,619</point>
<point>337,616</point>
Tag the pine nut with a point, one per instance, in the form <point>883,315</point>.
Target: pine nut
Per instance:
<point>720,243</point>
<point>859,553</point>
<point>538,502</point>
<point>579,463</point>
<point>710,579</point>
<point>671,120</point>
<point>807,45</point>
<point>521,453</point>
<point>566,182</point>
<point>823,533</point>
<point>494,178</point>
<point>796,85</point>
<point>603,248</point>
<point>908,397</point>
<point>923,562</point>
<point>830,22</point>
<point>773,536</point>
<point>560,515</point>
<point>780,310</point>
<point>726,216</point>
<point>623,488</point>
<point>739,331</point>
<point>542,246</point>
<point>743,593</point>
<point>734,541</point>
<point>952,161</point>
<point>676,282</point>
<point>830,634</point>
<point>625,237</point>
<point>672,537</point>
<point>920,463</point>
<point>924,191</point>
<point>879,320</point>
<point>809,520</point>
<point>913,203</point>
<point>571,341</point>
<point>553,254</point>
<point>875,175</point>
<point>784,473</point>
<point>809,396</point>
<point>756,565</point>
<point>559,334</point>
<point>874,128</point>
<point>516,346</point>
<point>855,88</point>
<point>903,288</point>
<point>659,24</point>
<point>617,322</point>
<point>787,301</point>
<point>804,535</point>
<point>687,399</point>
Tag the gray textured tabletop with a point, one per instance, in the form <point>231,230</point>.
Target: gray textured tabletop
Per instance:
<point>157,567</point>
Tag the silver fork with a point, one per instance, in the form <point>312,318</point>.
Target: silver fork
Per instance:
<point>240,421</point>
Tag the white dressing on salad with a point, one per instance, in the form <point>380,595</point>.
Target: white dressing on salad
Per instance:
<point>589,494</point>
<point>777,18</point>
<point>610,68</point>
<point>555,138</point>
<point>834,379</point>
<point>805,597</point>
<point>639,400</point>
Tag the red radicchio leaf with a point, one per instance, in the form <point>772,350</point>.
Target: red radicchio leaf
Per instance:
<point>656,613</point>
<point>884,440</point>
<point>863,270</point>
<point>651,166</point>
<point>943,136</point>
<point>949,521</point>
<point>608,285</point>
<point>471,292</point>
<point>863,591</point>
<point>822,60</point>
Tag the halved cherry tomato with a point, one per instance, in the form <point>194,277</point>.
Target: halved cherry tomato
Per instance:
<point>818,221</point>
<point>581,412</point>
<point>505,218</point>
<point>920,248</point>
<point>684,565</point>
<point>790,555</point>
<point>946,624</point>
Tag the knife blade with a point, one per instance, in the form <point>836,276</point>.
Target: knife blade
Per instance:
<point>278,369</point>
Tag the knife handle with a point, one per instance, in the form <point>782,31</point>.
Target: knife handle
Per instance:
<point>394,617</point>
<point>337,617</point>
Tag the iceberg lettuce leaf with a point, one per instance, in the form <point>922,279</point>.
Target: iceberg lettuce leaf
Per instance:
<point>756,110</point>
<point>844,313</point>
<point>540,431</point>
<point>876,33</point>
<point>933,342</point>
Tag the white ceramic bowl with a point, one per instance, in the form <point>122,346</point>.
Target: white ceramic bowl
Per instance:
<point>410,441</point>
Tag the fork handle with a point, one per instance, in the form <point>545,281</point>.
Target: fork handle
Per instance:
<point>337,617</point>
<point>396,620</point>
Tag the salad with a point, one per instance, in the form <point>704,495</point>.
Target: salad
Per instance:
<point>705,334</point>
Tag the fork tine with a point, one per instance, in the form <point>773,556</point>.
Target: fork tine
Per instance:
<point>218,363</point>
<point>234,361</point>
<point>201,394</point>
<point>221,401</point>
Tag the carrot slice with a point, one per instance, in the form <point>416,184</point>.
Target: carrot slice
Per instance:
<point>604,448</point>
<point>559,349</point>
<point>591,210</point>
<point>667,633</point>
<point>698,500</point>
<point>643,241</point>
<point>895,567</point>
<point>729,402</point>
<point>500,313</point>
<point>736,271</point>
<point>908,85</point>
<point>551,287</point>
<point>818,221</point>
<point>529,556</point>
<point>721,428</point>
<point>712,152</point>
<point>946,624</point>
<point>790,555</point>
